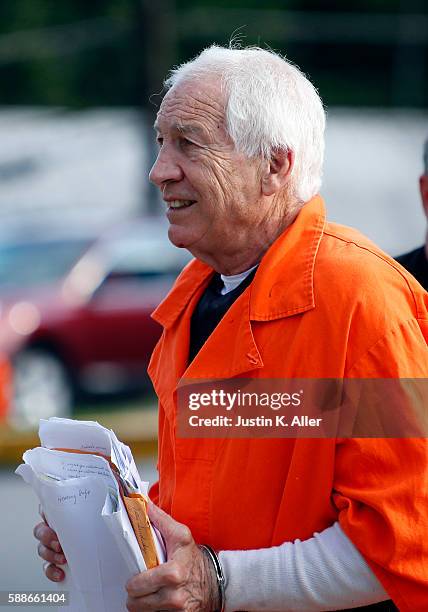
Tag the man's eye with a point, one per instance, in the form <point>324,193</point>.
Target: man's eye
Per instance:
<point>159,141</point>
<point>185,142</point>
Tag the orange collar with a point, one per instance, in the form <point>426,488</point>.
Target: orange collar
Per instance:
<point>283,284</point>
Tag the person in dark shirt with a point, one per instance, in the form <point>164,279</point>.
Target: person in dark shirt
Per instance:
<point>416,261</point>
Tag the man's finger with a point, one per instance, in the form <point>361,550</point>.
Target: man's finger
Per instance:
<point>49,555</point>
<point>167,575</point>
<point>149,602</point>
<point>157,516</point>
<point>47,536</point>
<point>172,532</point>
<point>163,600</point>
<point>146,583</point>
<point>53,573</point>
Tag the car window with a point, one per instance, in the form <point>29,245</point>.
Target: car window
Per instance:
<point>34,263</point>
<point>146,257</point>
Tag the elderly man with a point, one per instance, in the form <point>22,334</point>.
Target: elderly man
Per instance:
<point>417,261</point>
<point>274,292</point>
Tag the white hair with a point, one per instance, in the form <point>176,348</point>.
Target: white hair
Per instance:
<point>270,105</point>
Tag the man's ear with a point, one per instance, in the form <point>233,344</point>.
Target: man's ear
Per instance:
<point>277,172</point>
<point>423,185</point>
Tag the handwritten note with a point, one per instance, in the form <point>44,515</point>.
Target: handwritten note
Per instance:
<point>62,465</point>
<point>79,435</point>
<point>73,499</point>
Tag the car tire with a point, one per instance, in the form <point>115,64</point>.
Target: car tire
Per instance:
<point>42,388</point>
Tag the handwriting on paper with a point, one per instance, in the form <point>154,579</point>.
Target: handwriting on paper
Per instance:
<point>73,498</point>
<point>77,469</point>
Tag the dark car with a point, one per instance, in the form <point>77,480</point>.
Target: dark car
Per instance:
<point>80,327</point>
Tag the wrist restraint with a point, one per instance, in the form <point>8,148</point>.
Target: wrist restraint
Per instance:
<point>210,553</point>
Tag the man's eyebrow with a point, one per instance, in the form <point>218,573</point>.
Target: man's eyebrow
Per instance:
<point>189,129</point>
<point>183,129</point>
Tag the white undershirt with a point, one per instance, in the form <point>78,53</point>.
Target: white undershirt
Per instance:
<point>232,281</point>
<point>325,572</point>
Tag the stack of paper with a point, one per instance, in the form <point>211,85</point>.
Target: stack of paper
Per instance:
<point>93,497</point>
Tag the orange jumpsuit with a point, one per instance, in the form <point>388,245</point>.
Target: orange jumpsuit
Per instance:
<point>5,388</point>
<point>325,303</point>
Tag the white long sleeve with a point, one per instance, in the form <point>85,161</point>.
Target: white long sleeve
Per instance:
<point>325,572</point>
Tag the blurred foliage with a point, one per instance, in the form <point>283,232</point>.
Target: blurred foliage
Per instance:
<point>301,5</point>
<point>105,52</point>
<point>71,52</point>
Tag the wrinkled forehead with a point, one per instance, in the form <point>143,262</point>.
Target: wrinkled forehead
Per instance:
<point>193,101</point>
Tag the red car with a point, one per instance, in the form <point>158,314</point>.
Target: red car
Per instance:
<point>81,328</point>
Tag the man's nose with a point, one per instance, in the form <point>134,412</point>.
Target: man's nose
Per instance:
<point>165,168</point>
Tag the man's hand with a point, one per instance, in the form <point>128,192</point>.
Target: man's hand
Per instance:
<point>50,550</point>
<point>187,581</point>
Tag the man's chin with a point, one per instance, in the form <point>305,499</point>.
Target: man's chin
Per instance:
<point>179,237</point>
